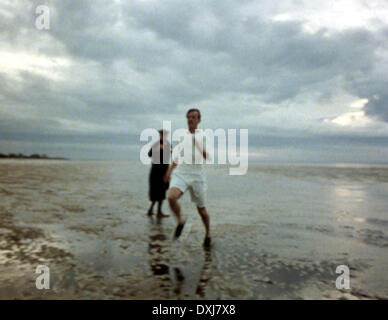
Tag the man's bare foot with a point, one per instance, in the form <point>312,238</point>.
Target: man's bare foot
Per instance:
<point>178,230</point>
<point>207,243</point>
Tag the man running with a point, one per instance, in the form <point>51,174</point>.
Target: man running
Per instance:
<point>189,175</point>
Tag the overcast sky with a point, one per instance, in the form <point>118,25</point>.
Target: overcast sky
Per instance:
<point>308,79</point>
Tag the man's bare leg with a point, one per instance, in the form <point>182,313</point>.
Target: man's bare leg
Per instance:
<point>205,219</point>
<point>173,195</point>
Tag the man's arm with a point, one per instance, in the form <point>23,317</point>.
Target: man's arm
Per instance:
<point>202,151</point>
<point>167,176</point>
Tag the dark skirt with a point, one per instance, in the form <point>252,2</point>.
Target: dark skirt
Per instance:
<point>158,187</point>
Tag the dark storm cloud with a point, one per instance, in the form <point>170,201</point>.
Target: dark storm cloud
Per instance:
<point>378,106</point>
<point>373,83</point>
<point>280,55</point>
<point>130,60</point>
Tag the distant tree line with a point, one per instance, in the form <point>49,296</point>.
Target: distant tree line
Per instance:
<point>32,156</point>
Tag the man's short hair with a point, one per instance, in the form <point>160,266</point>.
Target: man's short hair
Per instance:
<point>192,110</point>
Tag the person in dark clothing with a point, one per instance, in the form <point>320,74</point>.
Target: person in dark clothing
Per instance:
<point>160,153</point>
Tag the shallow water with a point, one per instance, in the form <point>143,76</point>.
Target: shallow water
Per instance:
<point>279,232</point>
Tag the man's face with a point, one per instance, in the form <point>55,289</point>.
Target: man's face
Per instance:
<point>193,119</point>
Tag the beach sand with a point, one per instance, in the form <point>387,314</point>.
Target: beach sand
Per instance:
<point>279,233</point>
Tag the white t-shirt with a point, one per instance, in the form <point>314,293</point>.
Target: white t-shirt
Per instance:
<point>187,155</point>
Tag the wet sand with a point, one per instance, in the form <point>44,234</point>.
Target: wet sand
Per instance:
<point>87,222</point>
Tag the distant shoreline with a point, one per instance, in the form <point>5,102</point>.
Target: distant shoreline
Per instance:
<point>34,159</point>
<point>31,157</point>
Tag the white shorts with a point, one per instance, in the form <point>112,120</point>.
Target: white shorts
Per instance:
<point>196,186</point>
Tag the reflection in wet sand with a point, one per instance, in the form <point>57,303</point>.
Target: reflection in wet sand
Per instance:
<point>158,251</point>
<point>171,279</point>
<point>205,274</point>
